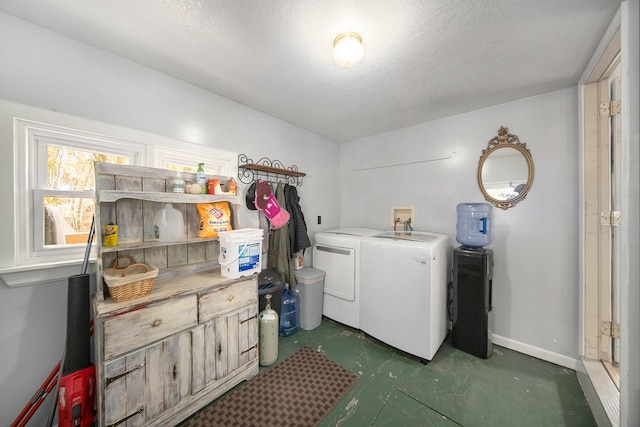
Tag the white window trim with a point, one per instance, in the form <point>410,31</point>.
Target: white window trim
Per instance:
<point>31,267</point>
<point>29,139</point>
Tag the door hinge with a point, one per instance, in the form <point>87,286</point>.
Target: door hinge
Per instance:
<point>610,329</point>
<point>611,108</point>
<point>610,218</point>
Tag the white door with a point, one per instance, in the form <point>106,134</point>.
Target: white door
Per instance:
<point>616,189</point>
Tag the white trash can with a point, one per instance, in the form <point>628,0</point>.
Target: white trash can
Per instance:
<point>310,287</point>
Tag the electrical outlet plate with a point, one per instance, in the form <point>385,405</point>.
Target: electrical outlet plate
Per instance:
<point>404,213</point>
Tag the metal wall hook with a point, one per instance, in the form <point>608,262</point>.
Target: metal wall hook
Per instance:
<point>272,171</point>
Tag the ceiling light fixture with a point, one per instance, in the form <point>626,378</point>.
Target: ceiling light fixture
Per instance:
<point>347,49</point>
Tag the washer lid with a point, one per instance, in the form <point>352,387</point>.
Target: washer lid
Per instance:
<point>354,231</point>
<point>415,236</point>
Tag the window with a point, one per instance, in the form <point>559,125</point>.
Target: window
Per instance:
<point>54,190</point>
<point>216,162</point>
<point>57,187</point>
<point>61,194</point>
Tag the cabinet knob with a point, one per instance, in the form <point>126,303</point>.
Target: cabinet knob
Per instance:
<point>230,298</point>
<point>156,323</point>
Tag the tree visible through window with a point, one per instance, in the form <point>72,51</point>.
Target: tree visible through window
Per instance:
<point>67,217</point>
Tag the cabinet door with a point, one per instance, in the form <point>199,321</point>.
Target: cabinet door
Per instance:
<point>236,340</point>
<point>124,390</point>
<point>168,373</point>
<point>141,386</point>
<point>204,355</point>
<point>248,335</point>
<point>198,360</point>
<point>177,368</point>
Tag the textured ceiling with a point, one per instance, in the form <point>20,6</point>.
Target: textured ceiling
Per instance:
<point>424,59</point>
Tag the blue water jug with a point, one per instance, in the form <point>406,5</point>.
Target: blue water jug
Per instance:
<point>289,312</point>
<point>473,228</point>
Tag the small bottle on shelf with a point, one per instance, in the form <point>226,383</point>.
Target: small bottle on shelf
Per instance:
<point>177,183</point>
<point>201,179</point>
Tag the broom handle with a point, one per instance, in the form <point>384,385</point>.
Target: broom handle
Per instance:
<point>88,250</point>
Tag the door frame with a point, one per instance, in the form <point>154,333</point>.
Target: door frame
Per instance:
<point>610,406</point>
<point>596,195</point>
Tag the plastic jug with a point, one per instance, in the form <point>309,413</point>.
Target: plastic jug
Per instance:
<point>168,224</point>
<point>473,228</point>
<point>289,312</point>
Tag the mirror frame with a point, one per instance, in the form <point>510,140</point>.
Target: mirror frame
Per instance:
<point>503,140</point>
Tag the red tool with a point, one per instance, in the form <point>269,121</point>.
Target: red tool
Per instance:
<point>75,398</point>
<point>77,383</point>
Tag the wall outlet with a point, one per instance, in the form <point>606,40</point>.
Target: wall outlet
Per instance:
<point>403,213</point>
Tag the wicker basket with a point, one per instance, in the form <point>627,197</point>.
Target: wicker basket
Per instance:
<point>130,281</point>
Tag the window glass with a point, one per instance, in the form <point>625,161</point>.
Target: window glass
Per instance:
<point>183,168</point>
<point>71,169</point>
<point>67,218</point>
<point>216,162</point>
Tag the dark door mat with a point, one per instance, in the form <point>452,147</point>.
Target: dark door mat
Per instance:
<point>299,391</point>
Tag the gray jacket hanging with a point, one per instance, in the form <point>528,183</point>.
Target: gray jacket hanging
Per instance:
<point>279,256</point>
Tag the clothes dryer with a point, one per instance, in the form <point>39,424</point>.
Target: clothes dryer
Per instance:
<point>337,253</point>
<point>403,300</point>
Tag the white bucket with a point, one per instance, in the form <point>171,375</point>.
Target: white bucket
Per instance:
<point>240,252</point>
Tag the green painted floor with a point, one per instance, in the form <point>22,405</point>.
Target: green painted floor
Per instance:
<point>454,389</point>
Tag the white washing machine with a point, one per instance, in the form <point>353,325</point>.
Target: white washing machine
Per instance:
<point>403,301</point>
<point>337,253</point>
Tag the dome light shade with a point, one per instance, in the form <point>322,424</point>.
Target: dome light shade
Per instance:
<point>347,49</point>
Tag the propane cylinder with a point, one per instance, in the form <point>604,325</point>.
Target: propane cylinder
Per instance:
<point>269,324</point>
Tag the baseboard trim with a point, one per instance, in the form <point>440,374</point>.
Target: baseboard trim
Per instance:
<point>600,391</point>
<point>539,353</point>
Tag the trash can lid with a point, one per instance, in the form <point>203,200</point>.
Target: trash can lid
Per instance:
<point>307,275</point>
<point>271,287</point>
<point>268,276</point>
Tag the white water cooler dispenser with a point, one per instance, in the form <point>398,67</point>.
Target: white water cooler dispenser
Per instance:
<point>472,280</point>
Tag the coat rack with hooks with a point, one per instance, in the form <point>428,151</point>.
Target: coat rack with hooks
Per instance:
<point>268,170</point>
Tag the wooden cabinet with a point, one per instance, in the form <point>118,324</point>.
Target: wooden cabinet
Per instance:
<point>163,356</point>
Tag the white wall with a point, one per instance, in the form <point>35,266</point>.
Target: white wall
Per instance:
<point>43,69</point>
<point>535,286</point>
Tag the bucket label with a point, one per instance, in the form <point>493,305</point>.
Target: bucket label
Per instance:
<point>249,256</point>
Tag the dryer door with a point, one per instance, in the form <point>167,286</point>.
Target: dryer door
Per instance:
<point>339,265</point>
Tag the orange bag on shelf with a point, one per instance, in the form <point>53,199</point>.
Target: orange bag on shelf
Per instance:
<point>214,218</point>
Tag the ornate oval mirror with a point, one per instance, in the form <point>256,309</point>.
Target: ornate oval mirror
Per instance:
<point>505,170</point>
